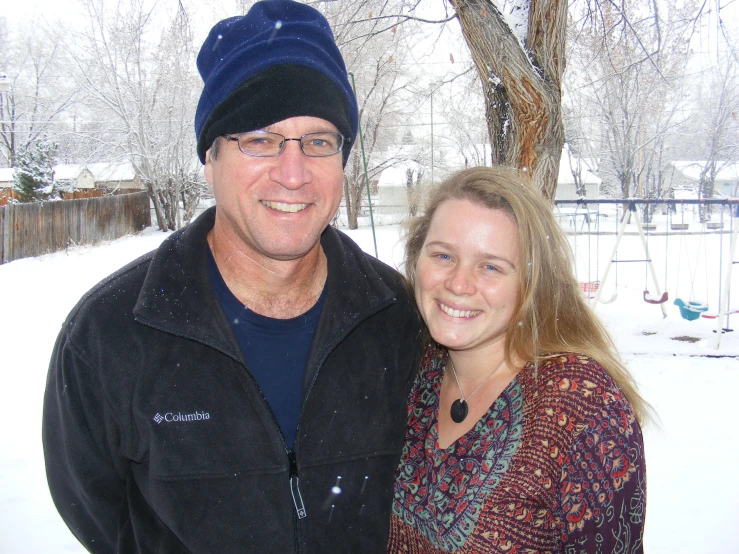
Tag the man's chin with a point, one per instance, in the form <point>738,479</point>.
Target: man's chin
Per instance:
<point>289,252</point>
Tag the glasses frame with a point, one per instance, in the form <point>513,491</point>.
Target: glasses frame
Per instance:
<point>236,138</point>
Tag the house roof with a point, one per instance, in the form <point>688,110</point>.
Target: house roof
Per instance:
<point>692,169</point>
<point>116,171</point>
<point>6,174</point>
<point>103,172</point>
<point>67,172</point>
<point>394,176</point>
<point>565,174</point>
<point>453,159</point>
<point>587,176</point>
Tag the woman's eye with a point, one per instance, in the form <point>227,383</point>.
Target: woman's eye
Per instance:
<point>489,267</point>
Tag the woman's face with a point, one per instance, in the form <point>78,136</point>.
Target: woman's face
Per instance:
<point>466,276</point>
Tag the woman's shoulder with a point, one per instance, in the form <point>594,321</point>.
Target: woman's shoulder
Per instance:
<point>572,362</point>
<point>574,381</point>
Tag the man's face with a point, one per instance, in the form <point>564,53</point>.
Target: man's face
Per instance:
<point>276,207</point>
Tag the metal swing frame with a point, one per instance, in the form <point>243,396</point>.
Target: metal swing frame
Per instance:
<point>723,307</point>
<point>612,259</point>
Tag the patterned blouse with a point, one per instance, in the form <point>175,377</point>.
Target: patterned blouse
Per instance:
<point>555,465</point>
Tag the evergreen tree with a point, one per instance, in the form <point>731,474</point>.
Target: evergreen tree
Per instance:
<point>34,175</point>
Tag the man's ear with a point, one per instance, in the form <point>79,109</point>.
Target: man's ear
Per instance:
<point>208,168</point>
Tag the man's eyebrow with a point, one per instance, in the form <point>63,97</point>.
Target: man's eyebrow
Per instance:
<point>317,128</point>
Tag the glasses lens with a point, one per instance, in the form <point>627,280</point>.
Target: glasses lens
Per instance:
<point>321,144</point>
<point>260,143</point>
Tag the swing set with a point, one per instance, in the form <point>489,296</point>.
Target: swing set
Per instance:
<point>690,309</point>
<point>661,297</point>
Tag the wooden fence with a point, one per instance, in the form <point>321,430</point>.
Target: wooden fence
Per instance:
<point>36,228</point>
<point>6,195</point>
<point>82,193</point>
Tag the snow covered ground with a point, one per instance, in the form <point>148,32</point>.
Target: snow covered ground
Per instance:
<point>693,482</point>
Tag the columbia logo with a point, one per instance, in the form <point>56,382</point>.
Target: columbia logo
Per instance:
<point>171,417</point>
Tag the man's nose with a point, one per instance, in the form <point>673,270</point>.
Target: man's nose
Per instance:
<point>291,170</point>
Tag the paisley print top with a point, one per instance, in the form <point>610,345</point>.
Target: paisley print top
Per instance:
<point>555,465</point>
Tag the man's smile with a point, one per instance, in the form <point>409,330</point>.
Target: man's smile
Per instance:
<point>284,206</point>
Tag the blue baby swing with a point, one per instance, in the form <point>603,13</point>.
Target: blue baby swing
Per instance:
<point>691,309</point>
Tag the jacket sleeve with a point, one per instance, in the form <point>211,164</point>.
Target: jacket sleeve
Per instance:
<point>85,484</point>
<point>603,486</point>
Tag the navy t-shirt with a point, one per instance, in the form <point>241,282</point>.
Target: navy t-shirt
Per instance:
<point>275,350</point>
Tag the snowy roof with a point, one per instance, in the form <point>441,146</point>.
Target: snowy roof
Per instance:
<point>6,174</point>
<point>67,172</point>
<point>117,171</point>
<point>565,173</point>
<point>104,171</point>
<point>453,159</point>
<point>394,176</point>
<point>567,160</point>
<point>685,194</point>
<point>692,169</point>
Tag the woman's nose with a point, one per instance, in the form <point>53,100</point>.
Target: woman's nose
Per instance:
<point>460,281</point>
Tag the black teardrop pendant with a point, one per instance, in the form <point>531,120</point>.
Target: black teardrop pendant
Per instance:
<point>458,411</point>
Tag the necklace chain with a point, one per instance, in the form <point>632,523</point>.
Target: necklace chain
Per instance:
<point>454,371</point>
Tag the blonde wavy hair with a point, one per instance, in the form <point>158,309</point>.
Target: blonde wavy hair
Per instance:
<point>551,314</point>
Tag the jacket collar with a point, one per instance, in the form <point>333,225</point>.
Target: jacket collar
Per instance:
<point>177,297</point>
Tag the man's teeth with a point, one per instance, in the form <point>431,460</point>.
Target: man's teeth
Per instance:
<point>284,207</point>
<point>458,313</point>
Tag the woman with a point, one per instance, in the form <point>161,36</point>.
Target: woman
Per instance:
<point>523,427</point>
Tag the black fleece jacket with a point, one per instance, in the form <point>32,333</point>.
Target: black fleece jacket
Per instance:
<point>158,440</point>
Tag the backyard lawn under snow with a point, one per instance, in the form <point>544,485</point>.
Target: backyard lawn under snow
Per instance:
<point>692,446</point>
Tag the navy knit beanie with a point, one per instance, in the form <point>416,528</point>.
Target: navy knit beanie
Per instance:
<point>277,61</point>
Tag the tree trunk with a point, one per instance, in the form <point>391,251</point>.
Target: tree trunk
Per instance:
<point>352,200</point>
<point>161,221</point>
<point>706,181</point>
<point>351,212</point>
<point>356,193</point>
<point>523,96</point>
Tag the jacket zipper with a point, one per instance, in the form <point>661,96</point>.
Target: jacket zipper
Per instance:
<point>292,460</point>
<point>295,486</point>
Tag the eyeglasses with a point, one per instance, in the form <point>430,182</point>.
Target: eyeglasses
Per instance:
<point>263,144</point>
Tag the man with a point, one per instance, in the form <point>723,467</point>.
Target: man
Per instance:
<point>242,388</point>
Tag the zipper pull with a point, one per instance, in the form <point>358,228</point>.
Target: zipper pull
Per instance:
<point>294,485</point>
